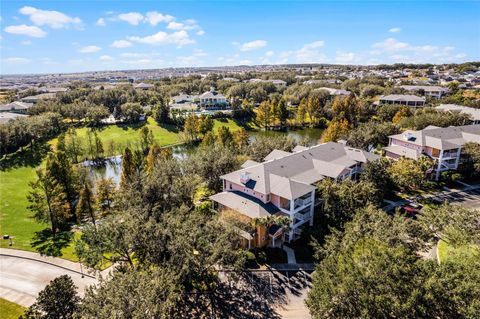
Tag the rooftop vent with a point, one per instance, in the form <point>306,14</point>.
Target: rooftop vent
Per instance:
<point>245,177</point>
<point>409,137</point>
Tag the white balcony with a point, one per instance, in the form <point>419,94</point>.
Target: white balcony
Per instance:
<point>301,216</point>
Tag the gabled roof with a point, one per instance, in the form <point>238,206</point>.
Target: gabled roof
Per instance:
<point>292,174</point>
<point>212,94</point>
<point>474,113</point>
<point>245,204</point>
<point>17,105</point>
<point>402,98</point>
<point>443,138</point>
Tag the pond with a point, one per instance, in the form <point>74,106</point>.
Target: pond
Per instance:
<point>113,165</point>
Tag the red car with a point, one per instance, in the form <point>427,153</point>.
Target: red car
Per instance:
<point>411,209</point>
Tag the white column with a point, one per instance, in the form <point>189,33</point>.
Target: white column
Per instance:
<point>459,151</point>
<point>292,217</point>
<point>312,207</point>
<point>440,158</point>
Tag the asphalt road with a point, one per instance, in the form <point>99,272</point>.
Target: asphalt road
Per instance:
<point>468,198</point>
<point>22,279</point>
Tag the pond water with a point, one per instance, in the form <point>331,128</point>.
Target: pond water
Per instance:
<point>113,165</point>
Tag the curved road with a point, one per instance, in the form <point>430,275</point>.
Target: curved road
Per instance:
<point>22,279</point>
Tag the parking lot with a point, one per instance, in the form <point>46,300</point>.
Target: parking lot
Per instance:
<point>467,198</point>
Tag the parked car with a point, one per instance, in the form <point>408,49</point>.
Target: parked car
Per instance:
<point>411,209</point>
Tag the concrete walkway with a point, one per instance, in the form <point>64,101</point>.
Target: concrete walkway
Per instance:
<point>290,254</point>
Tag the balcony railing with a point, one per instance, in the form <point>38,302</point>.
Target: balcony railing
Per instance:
<point>301,216</point>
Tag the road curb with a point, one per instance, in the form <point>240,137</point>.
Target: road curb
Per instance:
<point>48,263</point>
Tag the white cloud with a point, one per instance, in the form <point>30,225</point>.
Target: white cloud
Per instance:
<point>106,58</point>
<point>154,18</point>
<point>192,60</point>
<point>89,49</point>
<point>309,53</point>
<point>188,24</point>
<point>391,44</point>
<point>48,61</point>
<point>101,22</point>
<point>404,52</point>
<point>269,53</point>
<point>345,57</point>
<point>200,32</point>
<point>53,19</point>
<point>179,38</point>
<point>28,30</point>
<point>27,42</point>
<point>133,18</point>
<point>16,60</point>
<point>252,45</point>
<point>121,44</point>
<point>395,30</point>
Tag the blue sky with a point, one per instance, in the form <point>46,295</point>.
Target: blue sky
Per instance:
<point>73,36</point>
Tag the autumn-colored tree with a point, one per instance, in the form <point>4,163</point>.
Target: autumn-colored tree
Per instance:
<point>241,137</point>
<point>264,114</point>
<point>105,189</point>
<point>86,204</point>
<point>337,129</point>
<point>301,112</point>
<point>404,112</point>
<point>224,136</point>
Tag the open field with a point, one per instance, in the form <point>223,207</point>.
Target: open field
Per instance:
<point>15,217</point>
<point>446,251</point>
<point>10,310</point>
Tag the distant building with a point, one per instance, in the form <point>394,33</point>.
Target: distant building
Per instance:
<point>143,86</point>
<point>335,92</point>
<point>473,112</point>
<point>16,107</point>
<point>444,145</point>
<point>6,117</point>
<point>212,100</point>
<point>402,99</point>
<point>184,102</point>
<point>433,91</point>
<point>39,97</point>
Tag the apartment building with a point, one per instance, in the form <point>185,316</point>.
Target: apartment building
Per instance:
<point>284,184</point>
<point>444,145</point>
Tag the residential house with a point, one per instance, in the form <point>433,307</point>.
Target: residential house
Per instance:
<point>16,107</point>
<point>39,97</point>
<point>432,91</point>
<point>184,102</point>
<point>402,99</point>
<point>335,92</point>
<point>473,112</point>
<point>6,117</point>
<point>213,100</point>
<point>143,86</point>
<point>284,184</point>
<point>444,145</point>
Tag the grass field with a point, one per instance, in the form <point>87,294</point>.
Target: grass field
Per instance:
<point>446,251</point>
<point>15,218</point>
<point>10,310</point>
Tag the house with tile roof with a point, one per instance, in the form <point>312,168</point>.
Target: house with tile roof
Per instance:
<point>452,108</point>
<point>402,99</point>
<point>428,90</point>
<point>16,107</point>
<point>443,144</point>
<point>284,184</point>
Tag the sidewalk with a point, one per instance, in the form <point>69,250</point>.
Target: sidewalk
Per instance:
<point>53,261</point>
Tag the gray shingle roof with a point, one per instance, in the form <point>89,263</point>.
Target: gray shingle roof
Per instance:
<point>245,204</point>
<point>305,167</point>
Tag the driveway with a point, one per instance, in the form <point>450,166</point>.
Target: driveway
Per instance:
<point>22,279</point>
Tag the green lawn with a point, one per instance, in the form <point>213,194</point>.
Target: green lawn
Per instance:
<point>15,218</point>
<point>10,310</point>
<point>446,251</point>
